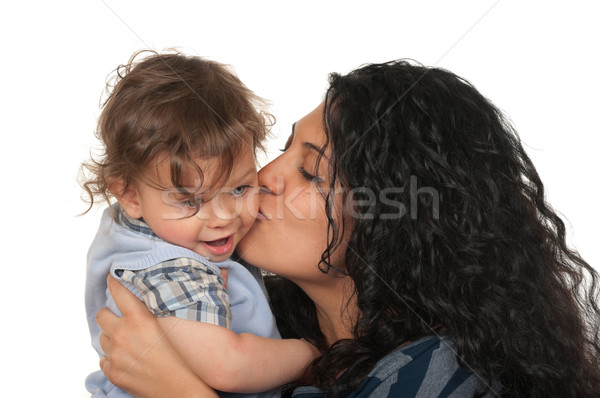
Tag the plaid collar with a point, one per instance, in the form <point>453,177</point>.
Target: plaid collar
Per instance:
<point>133,224</point>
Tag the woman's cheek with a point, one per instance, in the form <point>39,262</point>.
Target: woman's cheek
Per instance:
<point>252,204</point>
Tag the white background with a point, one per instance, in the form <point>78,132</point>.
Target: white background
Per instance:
<point>537,60</point>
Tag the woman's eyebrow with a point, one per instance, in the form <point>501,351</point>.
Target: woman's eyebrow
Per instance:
<point>313,147</point>
<point>290,139</point>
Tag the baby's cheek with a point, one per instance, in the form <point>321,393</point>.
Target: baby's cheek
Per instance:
<point>248,216</point>
<point>181,234</point>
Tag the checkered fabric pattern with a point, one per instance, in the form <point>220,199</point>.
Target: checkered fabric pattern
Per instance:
<point>181,287</point>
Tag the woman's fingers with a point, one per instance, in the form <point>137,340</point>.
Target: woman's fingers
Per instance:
<point>105,365</point>
<point>106,320</point>
<point>105,342</point>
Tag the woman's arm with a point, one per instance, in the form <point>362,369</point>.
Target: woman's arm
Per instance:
<point>139,358</point>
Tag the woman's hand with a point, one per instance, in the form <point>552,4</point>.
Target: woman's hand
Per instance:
<point>139,357</point>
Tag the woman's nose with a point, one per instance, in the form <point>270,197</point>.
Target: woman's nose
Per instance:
<point>270,178</point>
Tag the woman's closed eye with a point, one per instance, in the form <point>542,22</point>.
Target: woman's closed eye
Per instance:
<point>309,177</point>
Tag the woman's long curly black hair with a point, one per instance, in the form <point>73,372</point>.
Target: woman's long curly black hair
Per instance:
<point>459,240</point>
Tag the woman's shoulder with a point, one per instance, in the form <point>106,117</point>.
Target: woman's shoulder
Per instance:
<point>423,368</point>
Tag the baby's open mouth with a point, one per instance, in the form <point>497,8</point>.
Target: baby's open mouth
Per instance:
<point>219,246</point>
<point>218,242</point>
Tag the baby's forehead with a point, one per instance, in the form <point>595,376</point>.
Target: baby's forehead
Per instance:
<point>193,176</point>
<point>203,173</point>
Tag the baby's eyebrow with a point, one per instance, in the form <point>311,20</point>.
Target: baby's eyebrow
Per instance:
<point>187,191</point>
<point>249,172</point>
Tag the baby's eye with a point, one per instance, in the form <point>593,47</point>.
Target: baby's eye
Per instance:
<point>194,203</point>
<point>239,191</point>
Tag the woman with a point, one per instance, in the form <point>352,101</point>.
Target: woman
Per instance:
<point>413,246</point>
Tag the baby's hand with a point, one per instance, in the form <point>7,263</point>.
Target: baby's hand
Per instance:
<point>308,377</point>
<point>314,348</point>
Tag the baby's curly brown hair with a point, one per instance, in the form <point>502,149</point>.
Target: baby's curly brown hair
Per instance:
<point>176,105</point>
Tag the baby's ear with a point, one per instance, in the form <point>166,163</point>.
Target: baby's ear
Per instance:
<point>127,195</point>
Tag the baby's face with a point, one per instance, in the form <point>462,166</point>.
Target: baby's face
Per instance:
<point>227,209</point>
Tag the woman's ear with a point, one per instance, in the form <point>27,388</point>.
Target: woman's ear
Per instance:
<point>127,195</point>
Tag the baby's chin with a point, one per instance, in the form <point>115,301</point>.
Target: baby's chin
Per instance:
<point>246,249</point>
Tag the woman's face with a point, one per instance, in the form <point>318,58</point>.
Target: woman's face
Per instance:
<point>290,233</point>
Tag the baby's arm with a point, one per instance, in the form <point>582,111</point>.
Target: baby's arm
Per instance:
<point>237,362</point>
<point>193,309</point>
